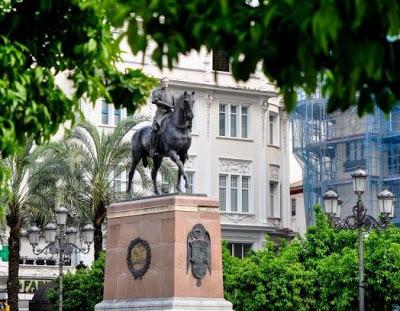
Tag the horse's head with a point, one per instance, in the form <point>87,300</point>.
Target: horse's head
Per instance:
<point>184,107</point>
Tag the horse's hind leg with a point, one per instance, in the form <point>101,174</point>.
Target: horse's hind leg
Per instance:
<point>135,161</point>
<point>178,182</point>
<point>157,163</point>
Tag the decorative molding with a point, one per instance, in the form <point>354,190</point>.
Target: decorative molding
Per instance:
<point>236,218</point>
<point>275,221</point>
<point>234,166</point>
<point>284,121</point>
<point>264,109</point>
<point>274,171</point>
<point>275,101</point>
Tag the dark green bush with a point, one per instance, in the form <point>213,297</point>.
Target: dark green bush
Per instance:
<point>82,289</point>
<point>316,272</point>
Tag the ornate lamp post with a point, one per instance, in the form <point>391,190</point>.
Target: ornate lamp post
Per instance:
<point>359,219</point>
<point>60,240</point>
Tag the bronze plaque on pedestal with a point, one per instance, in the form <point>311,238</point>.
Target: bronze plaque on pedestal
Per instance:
<point>139,257</point>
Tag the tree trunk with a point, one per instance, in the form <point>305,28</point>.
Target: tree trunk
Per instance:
<point>13,221</point>
<point>98,241</point>
<point>98,234</point>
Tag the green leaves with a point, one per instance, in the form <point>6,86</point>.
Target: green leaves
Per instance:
<point>63,36</point>
<point>268,281</point>
<point>83,289</point>
<point>317,272</point>
<point>298,42</point>
<point>325,24</point>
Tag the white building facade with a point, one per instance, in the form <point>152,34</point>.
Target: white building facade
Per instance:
<point>297,211</point>
<point>239,150</point>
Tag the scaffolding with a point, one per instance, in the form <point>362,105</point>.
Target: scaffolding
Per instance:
<point>329,147</point>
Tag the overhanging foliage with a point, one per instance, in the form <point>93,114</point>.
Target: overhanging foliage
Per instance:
<point>41,40</point>
<point>349,47</point>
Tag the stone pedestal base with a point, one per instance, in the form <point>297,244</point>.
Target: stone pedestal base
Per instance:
<point>165,224</point>
<point>170,304</point>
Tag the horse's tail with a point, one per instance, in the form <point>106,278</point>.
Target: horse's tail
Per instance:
<point>144,160</point>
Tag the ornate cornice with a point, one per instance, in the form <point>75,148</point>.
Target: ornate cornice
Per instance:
<point>274,172</point>
<point>229,166</point>
<point>236,218</point>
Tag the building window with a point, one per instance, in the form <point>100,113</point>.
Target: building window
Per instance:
<point>117,184</point>
<point>245,121</point>
<point>222,120</point>
<point>239,250</point>
<point>245,194</point>
<point>165,186</point>
<point>222,192</point>
<point>105,112</point>
<point>293,207</point>
<point>354,155</point>
<point>355,150</point>
<point>331,128</point>
<point>272,198</point>
<point>117,116</point>
<point>273,130</point>
<point>220,60</point>
<point>118,181</point>
<point>233,121</point>
<point>190,176</point>
<point>230,126</point>
<point>394,160</point>
<point>234,193</point>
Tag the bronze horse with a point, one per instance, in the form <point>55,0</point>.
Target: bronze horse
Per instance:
<point>174,142</point>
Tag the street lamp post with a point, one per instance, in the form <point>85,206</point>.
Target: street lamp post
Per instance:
<point>359,219</point>
<point>62,241</point>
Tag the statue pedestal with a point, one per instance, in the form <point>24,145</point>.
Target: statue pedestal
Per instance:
<point>164,224</point>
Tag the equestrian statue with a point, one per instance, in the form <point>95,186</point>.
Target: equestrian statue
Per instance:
<point>169,136</point>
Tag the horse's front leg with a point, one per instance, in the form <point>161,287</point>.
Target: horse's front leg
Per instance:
<point>181,172</point>
<point>185,177</point>
<point>157,163</point>
<point>178,185</point>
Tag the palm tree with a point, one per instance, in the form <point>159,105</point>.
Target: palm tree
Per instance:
<point>93,159</point>
<point>25,200</point>
<point>76,172</point>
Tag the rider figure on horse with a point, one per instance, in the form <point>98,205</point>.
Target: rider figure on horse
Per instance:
<point>165,101</point>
